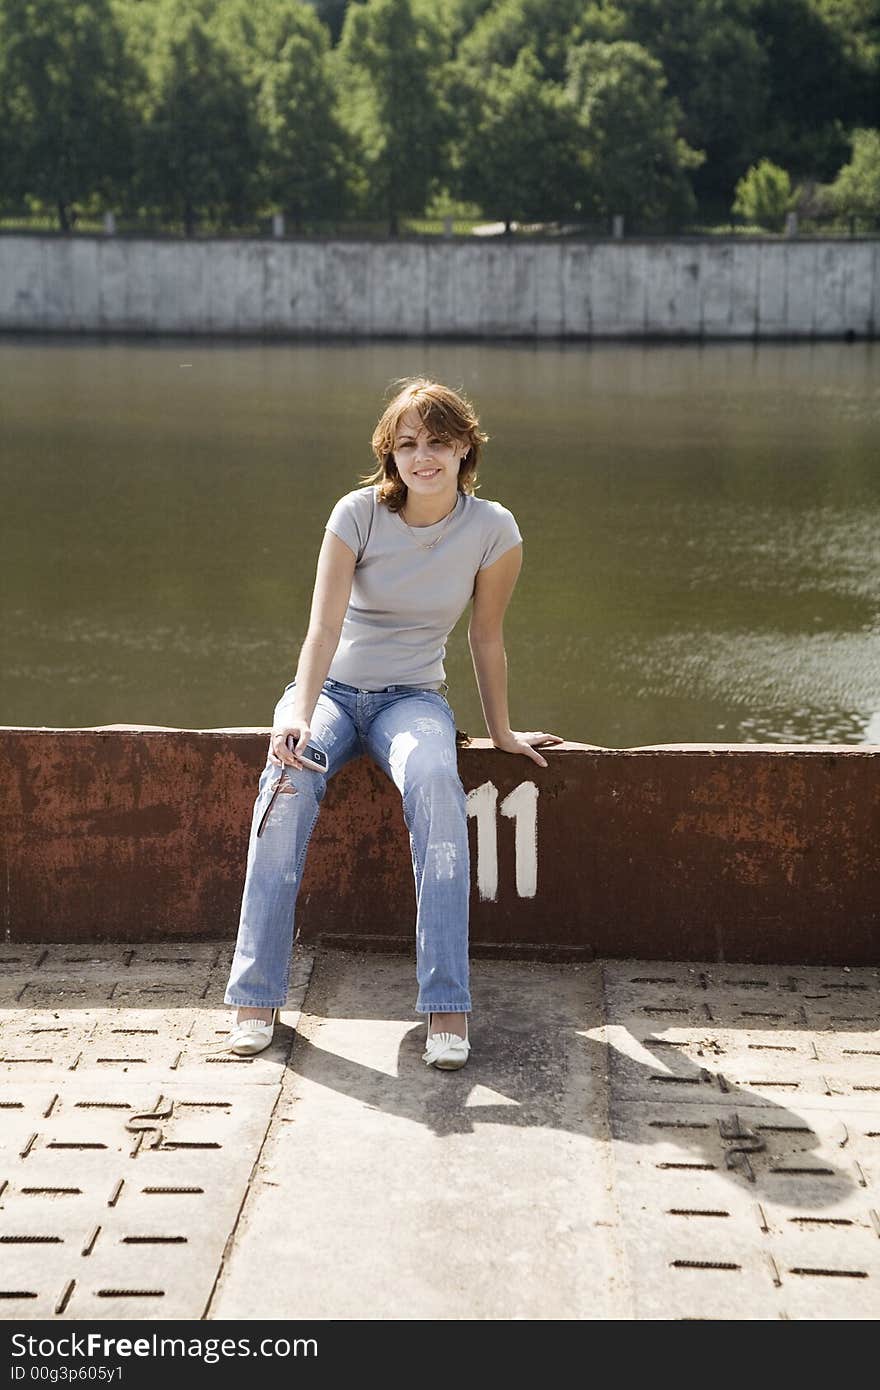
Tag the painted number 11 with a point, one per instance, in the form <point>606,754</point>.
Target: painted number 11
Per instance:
<point>520,806</point>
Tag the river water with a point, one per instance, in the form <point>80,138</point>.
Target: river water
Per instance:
<point>700,522</point>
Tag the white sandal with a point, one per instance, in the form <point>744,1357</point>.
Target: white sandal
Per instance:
<point>250,1036</point>
<point>445,1050</point>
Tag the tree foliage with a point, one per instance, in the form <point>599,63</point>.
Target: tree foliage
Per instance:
<point>197,146</point>
<point>763,195</point>
<point>856,190</point>
<point>637,163</point>
<point>218,112</point>
<point>65,103</point>
<point>715,67</point>
<point>390,101</point>
<point>308,159</point>
<point>519,154</point>
<point>331,13</point>
<point>505,28</point>
<point>815,87</point>
<point>304,156</point>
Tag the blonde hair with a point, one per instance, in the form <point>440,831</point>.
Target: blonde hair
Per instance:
<point>445,412</point>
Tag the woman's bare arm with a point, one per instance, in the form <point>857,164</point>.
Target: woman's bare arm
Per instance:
<point>333,579</point>
<point>493,590</point>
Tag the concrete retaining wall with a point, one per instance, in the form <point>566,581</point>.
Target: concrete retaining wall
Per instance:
<point>442,288</point>
<point>706,852</point>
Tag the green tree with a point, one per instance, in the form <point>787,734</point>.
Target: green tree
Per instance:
<point>387,76</point>
<point>518,157</point>
<point>635,160</point>
<point>817,86</point>
<point>763,195</point>
<point>715,67</point>
<point>65,129</point>
<point>305,156</point>
<point>309,157</point>
<point>198,144</point>
<point>856,24</point>
<point>331,13</point>
<point>856,190</point>
<point>255,32</point>
<point>505,28</point>
<point>455,18</point>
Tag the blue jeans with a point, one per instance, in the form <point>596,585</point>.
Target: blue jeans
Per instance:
<point>410,733</point>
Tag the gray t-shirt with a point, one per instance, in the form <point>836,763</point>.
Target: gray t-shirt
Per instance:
<point>405,601</point>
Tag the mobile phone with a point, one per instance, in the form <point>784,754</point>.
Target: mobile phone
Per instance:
<point>312,757</point>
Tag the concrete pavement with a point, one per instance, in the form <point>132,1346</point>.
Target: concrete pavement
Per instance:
<point>389,1190</point>
<point>629,1140</point>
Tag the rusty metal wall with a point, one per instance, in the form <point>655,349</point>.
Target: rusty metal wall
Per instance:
<point>730,852</point>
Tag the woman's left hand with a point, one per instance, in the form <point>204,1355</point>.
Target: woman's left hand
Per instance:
<point>524,743</point>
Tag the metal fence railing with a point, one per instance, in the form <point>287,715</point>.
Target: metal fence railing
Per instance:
<point>421,227</point>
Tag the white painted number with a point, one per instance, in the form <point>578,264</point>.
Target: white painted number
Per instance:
<point>521,806</point>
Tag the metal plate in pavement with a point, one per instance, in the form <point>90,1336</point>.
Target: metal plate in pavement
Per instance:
<point>123,1011</point>
<point>733,1215</point>
<point>132,976</point>
<point>755,1036</point>
<point>745,1111</point>
<point>127,1141</point>
<point>104,1215</point>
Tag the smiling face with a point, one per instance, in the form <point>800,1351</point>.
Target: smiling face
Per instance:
<point>427,463</point>
<point>427,443</point>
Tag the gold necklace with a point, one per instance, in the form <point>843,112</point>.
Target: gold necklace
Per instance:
<point>437,539</point>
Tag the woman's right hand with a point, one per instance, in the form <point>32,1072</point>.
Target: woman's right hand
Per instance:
<point>281,753</point>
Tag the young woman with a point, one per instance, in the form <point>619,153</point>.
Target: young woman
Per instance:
<point>401,558</point>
